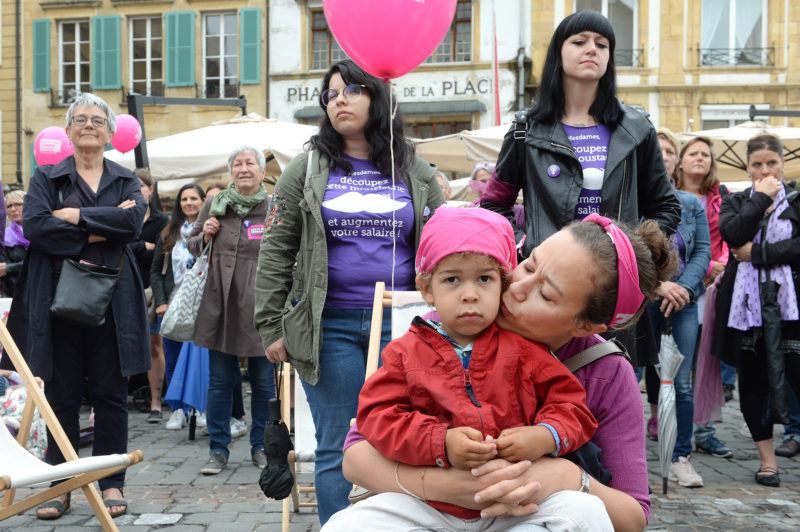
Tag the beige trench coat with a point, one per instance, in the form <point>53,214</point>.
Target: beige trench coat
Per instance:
<point>225,319</point>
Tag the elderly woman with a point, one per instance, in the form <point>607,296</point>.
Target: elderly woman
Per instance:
<point>15,245</point>
<point>234,220</point>
<point>755,251</point>
<point>88,208</point>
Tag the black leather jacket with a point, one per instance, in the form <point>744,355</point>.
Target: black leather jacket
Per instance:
<point>635,185</point>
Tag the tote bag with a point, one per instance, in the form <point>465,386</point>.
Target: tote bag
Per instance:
<point>179,321</point>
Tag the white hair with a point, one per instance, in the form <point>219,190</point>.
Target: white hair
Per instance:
<point>87,99</point>
<point>262,163</point>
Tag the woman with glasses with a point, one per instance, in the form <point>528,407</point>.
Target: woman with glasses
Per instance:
<point>350,215</point>
<point>15,244</point>
<point>86,208</point>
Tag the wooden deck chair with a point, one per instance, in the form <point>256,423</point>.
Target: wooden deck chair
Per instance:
<point>292,394</point>
<point>19,468</point>
<point>404,305</point>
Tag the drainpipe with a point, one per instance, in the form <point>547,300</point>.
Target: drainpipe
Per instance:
<point>18,86</point>
<point>266,62</point>
<point>521,58</point>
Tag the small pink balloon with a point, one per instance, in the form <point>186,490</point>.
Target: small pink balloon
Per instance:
<point>391,37</point>
<point>51,146</point>
<point>128,133</point>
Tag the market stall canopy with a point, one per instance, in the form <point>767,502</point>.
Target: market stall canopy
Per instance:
<point>203,153</point>
<point>460,151</point>
<point>730,147</point>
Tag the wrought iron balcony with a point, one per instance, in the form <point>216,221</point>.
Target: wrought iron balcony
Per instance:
<point>629,57</point>
<point>737,56</point>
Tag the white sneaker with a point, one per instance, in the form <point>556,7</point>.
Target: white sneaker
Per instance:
<point>238,428</point>
<point>176,420</point>
<point>684,474</point>
<point>200,420</point>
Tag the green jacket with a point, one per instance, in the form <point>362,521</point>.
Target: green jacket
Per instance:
<point>289,303</point>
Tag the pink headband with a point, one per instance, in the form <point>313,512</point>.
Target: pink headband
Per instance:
<point>629,295</point>
<point>473,230</point>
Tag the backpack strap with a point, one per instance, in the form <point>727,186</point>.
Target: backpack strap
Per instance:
<point>521,124</point>
<point>595,352</point>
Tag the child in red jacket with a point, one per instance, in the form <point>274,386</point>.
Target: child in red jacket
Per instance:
<point>463,391</point>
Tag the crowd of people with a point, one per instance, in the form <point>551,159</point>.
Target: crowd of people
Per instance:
<point>490,407</point>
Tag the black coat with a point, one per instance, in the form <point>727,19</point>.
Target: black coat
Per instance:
<point>739,219</point>
<point>150,233</point>
<point>53,240</point>
<point>13,256</point>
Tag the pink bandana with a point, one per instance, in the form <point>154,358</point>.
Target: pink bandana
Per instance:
<point>629,295</point>
<point>453,230</point>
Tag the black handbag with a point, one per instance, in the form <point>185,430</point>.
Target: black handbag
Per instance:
<point>84,291</point>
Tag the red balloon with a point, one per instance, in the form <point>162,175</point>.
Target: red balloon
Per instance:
<point>389,38</point>
<point>51,146</point>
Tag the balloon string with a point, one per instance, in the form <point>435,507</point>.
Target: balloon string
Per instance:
<point>391,153</point>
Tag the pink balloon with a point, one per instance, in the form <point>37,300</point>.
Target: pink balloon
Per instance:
<point>128,133</point>
<point>51,146</point>
<point>389,38</point>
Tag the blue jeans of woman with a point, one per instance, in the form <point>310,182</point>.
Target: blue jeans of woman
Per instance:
<point>684,331</point>
<point>172,350</point>
<point>222,378</point>
<point>334,399</point>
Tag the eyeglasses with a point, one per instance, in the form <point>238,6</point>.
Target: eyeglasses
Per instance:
<point>351,94</point>
<point>97,121</point>
<point>14,206</point>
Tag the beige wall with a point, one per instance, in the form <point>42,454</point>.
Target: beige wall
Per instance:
<point>38,112</point>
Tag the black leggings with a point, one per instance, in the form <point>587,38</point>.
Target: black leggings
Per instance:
<point>754,388</point>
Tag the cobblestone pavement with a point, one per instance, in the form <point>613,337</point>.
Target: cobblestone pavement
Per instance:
<point>166,491</point>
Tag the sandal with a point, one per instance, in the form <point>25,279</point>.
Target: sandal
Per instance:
<point>61,508</point>
<point>116,502</point>
<point>770,478</point>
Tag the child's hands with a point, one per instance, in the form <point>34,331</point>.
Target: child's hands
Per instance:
<point>524,443</point>
<point>466,448</point>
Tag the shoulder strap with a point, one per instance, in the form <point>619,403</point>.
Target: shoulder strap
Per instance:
<point>308,167</point>
<point>595,352</point>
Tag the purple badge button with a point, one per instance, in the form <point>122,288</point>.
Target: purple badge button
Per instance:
<point>246,223</point>
<point>553,170</point>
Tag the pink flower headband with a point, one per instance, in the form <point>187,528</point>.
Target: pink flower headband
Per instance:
<point>629,295</point>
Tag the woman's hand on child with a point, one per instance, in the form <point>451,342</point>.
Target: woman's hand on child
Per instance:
<point>466,448</point>
<point>510,488</point>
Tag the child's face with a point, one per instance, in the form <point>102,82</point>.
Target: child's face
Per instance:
<point>547,291</point>
<point>465,289</point>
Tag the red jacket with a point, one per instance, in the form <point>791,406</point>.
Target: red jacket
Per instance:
<point>406,407</point>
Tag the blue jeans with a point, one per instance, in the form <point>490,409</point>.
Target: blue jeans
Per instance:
<point>334,399</point>
<point>728,374</point>
<point>792,430</point>
<point>684,331</point>
<point>172,351</point>
<point>222,378</point>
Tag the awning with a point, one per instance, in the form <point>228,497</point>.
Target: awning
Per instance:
<point>437,108</point>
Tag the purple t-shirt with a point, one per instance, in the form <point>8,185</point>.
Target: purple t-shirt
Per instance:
<point>591,147</point>
<point>357,212</point>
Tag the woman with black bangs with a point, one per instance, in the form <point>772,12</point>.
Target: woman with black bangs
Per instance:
<point>338,213</point>
<point>579,150</point>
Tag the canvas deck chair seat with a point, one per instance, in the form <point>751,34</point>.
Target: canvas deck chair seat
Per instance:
<point>19,468</point>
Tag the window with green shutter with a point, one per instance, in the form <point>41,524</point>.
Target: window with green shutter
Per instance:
<point>106,60</point>
<point>180,48</point>
<point>250,44</point>
<point>41,55</point>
